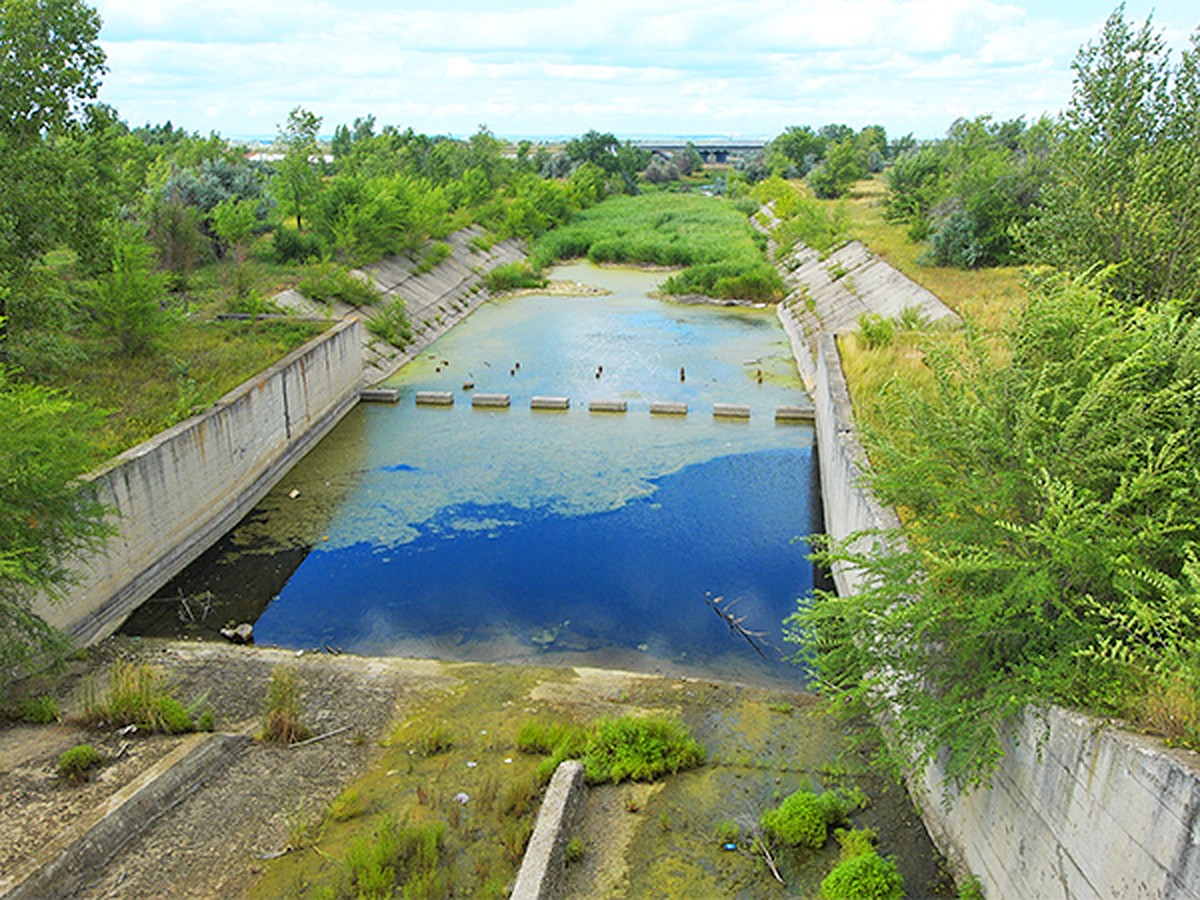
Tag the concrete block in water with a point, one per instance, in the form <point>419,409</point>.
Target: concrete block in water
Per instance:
<point>379,395</point>
<point>435,398</point>
<point>731,411</point>
<point>668,408</point>
<point>491,401</point>
<point>550,403</point>
<point>795,414</point>
<point>617,406</point>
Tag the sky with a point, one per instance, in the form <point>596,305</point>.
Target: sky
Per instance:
<point>637,68</point>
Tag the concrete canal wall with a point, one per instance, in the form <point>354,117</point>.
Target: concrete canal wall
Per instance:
<point>1078,808</point>
<point>179,492</point>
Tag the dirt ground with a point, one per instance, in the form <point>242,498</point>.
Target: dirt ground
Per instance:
<point>237,828</point>
<point>212,843</point>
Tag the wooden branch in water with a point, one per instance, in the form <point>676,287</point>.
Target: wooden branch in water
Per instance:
<point>735,622</point>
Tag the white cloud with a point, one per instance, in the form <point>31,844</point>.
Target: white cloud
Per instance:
<point>625,65</point>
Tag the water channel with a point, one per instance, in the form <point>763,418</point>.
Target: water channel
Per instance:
<point>534,536</point>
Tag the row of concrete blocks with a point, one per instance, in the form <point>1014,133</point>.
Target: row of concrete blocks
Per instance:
<point>657,407</point>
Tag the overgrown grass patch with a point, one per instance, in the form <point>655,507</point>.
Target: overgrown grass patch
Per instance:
<point>139,694</point>
<point>638,749</point>
<point>282,714</point>
<point>77,763</point>
<point>720,253</point>
<point>194,366</point>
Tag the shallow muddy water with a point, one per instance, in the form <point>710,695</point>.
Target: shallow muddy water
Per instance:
<point>549,537</point>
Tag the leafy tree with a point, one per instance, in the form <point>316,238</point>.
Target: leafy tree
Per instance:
<point>689,160</point>
<point>844,164</point>
<point>1052,511</point>
<point>234,222</point>
<point>972,191</point>
<point>127,297</point>
<point>796,151</point>
<point>50,69</point>
<point>50,65</point>
<point>1126,169</point>
<point>296,180</point>
<point>46,513</point>
<point>916,184</point>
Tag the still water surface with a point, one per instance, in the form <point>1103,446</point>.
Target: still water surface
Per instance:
<point>549,537</point>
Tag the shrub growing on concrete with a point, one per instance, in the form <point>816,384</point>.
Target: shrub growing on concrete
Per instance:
<point>867,876</point>
<point>281,709</point>
<point>77,762</point>
<point>135,694</point>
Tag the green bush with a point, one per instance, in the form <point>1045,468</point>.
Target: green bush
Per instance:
<point>616,749</point>
<point>291,245</point>
<point>436,253</point>
<point>855,842</point>
<point>573,852</point>
<point>398,855</point>
<point>281,709</point>
<point>799,821</point>
<point>1051,481</point>
<point>876,331</point>
<point>39,710</point>
<point>514,276</point>
<point>803,819</point>
<point>640,749</point>
<point>135,694</point>
<point>391,324</point>
<point>327,281</point>
<point>76,763</point>
<point>864,877</point>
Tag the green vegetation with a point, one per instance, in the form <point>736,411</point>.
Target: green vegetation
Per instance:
<point>136,694</point>
<point>1052,524</point>
<point>391,323</point>
<point>801,219</point>
<point>804,818</point>
<point>77,763</point>
<point>866,876</point>
<point>433,740</point>
<point>327,282</point>
<point>1049,548</point>
<point>639,749</point>
<point>404,856</point>
<point>281,719</point>
<point>1114,180</point>
<point>721,253</point>
<point>573,852</point>
<point>46,514</point>
<point>41,709</point>
<point>512,277</point>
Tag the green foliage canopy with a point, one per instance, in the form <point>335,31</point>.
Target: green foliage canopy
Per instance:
<point>1126,168</point>
<point>1052,521</point>
<point>46,513</point>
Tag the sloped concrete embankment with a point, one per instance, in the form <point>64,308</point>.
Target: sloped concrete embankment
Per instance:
<point>435,301</point>
<point>1077,808</point>
<point>826,294</point>
<point>175,494</point>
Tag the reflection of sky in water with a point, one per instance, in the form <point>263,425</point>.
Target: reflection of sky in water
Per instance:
<point>558,536</point>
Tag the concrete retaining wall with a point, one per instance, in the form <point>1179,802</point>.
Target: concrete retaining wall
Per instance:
<point>543,867</point>
<point>180,491</point>
<point>1078,808</point>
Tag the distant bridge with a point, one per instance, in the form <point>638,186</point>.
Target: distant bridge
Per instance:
<point>711,151</point>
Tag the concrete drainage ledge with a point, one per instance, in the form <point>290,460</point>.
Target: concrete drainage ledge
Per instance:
<point>64,866</point>
<point>543,870</point>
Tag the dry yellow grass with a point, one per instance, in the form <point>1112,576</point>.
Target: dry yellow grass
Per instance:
<point>987,296</point>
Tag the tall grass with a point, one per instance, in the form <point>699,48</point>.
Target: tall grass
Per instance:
<point>135,694</point>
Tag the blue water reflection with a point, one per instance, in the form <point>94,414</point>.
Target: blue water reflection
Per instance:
<point>554,537</point>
